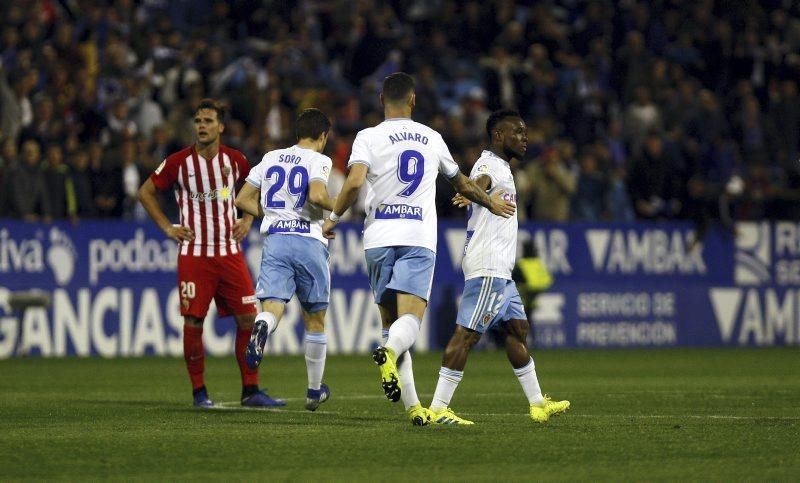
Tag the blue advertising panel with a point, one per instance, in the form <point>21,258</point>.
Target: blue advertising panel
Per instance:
<point>112,289</point>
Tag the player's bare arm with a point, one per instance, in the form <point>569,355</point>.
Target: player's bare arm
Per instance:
<point>470,190</point>
<point>247,200</point>
<point>346,198</point>
<point>484,182</point>
<point>242,226</point>
<point>148,199</point>
<point>318,195</point>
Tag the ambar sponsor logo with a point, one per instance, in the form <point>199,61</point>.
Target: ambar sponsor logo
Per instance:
<point>754,315</point>
<point>653,252</point>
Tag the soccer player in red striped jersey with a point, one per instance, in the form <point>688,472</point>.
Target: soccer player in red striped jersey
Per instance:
<point>210,260</point>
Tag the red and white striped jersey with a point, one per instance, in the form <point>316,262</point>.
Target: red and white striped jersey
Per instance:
<point>205,190</point>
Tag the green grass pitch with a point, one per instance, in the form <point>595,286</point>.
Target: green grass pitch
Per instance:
<point>723,414</point>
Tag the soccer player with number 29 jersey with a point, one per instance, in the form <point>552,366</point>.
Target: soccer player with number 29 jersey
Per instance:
<point>210,260</point>
<point>289,188</point>
<point>490,298</point>
<point>400,160</point>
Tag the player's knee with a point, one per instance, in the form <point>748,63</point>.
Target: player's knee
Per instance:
<point>518,329</point>
<point>465,338</point>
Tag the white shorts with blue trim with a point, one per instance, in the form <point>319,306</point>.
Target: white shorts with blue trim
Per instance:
<point>489,301</point>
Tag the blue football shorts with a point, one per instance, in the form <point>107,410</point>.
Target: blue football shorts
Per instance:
<point>295,264</point>
<point>489,301</point>
<point>400,269</point>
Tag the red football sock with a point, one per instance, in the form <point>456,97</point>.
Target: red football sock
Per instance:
<point>194,354</point>
<point>249,376</point>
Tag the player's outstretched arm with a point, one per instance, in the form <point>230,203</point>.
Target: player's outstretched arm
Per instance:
<point>247,200</point>
<point>484,182</point>
<point>318,195</point>
<point>470,190</point>
<point>147,197</point>
<point>345,199</point>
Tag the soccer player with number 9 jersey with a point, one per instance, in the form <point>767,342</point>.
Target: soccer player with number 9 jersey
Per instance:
<point>400,159</point>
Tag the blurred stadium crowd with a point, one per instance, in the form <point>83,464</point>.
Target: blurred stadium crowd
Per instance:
<point>663,109</point>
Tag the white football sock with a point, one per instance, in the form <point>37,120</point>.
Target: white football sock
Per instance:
<point>316,350</point>
<point>406,370</point>
<point>267,317</point>
<point>445,388</point>
<point>403,333</point>
<point>529,382</point>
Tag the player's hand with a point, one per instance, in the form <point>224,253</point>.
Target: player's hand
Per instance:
<point>241,228</point>
<point>460,201</point>
<point>180,233</point>
<point>501,207</point>
<point>327,229</point>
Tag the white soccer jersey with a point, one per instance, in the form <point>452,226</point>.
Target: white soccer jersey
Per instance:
<point>404,157</point>
<point>283,176</point>
<point>491,246</point>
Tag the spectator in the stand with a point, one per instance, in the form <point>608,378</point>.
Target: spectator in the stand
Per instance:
<point>131,173</point>
<point>633,64</point>
<point>589,202</point>
<point>502,79</point>
<point>537,85</point>
<point>46,128</point>
<point>106,183</point>
<point>552,186</point>
<point>16,113</point>
<point>784,111</point>
<point>754,130</point>
<point>28,195</point>
<point>58,182</point>
<point>8,153</point>
<point>161,144</point>
<point>706,122</point>
<point>82,184</point>
<point>619,201</point>
<point>8,162</point>
<point>641,116</point>
<point>652,183</point>
<point>120,125</point>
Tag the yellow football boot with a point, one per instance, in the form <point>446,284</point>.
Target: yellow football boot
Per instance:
<point>390,379</point>
<point>447,416</point>
<point>419,415</point>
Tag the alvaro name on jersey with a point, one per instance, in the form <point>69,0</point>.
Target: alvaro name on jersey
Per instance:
<point>491,246</point>
<point>403,158</point>
<point>283,177</point>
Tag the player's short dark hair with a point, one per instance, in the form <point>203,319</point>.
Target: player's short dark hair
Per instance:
<point>311,123</point>
<point>498,116</point>
<point>214,106</point>
<point>397,86</point>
